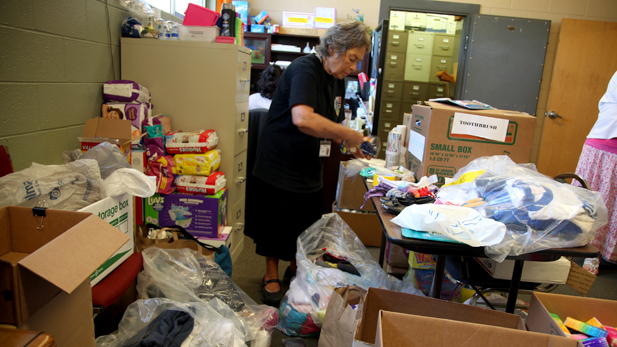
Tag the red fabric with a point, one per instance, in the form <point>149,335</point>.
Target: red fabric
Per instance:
<point>112,287</point>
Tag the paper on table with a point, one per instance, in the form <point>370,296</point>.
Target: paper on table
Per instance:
<point>416,145</point>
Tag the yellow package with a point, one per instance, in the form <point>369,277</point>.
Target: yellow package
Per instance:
<point>203,164</point>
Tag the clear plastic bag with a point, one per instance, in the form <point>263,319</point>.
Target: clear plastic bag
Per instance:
<point>539,212</point>
<point>107,155</point>
<point>303,308</point>
<point>129,181</point>
<point>184,275</point>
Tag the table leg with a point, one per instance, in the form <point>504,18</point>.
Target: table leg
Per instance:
<point>440,265</point>
<point>514,285</point>
<point>382,248</point>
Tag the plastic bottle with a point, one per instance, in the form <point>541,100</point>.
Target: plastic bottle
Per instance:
<point>228,15</point>
<point>162,30</point>
<point>307,49</point>
<point>174,33</point>
<point>168,30</point>
<point>370,147</point>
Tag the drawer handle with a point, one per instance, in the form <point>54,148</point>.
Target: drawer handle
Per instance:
<point>417,66</point>
<point>415,93</point>
<point>391,91</point>
<point>243,116</point>
<point>240,226</point>
<point>394,43</point>
<point>419,45</point>
<point>240,180</point>
<point>244,65</point>
<point>444,47</point>
<point>442,67</point>
<point>388,111</point>
<point>392,63</point>
<point>243,131</point>
<point>244,81</point>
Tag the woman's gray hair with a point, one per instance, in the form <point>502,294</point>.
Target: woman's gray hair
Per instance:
<point>344,36</point>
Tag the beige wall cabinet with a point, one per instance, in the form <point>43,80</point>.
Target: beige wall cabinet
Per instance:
<point>201,86</point>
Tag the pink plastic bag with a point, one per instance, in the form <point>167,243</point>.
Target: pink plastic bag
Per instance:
<point>163,169</point>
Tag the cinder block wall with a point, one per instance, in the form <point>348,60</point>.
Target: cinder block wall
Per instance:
<point>55,55</point>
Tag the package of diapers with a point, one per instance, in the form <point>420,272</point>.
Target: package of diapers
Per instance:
<point>202,164</point>
<point>156,126</point>
<point>199,141</point>
<point>125,91</point>
<point>135,112</point>
<point>208,185</point>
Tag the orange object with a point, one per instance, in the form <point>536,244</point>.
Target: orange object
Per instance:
<point>220,3</point>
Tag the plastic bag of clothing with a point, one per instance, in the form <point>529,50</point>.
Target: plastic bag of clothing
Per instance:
<point>539,212</point>
<point>154,321</point>
<point>329,255</point>
<point>184,275</point>
<point>108,156</point>
<point>64,187</point>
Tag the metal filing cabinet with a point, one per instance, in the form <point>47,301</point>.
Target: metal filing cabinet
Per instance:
<point>418,67</point>
<point>420,43</point>
<point>415,91</point>
<point>443,45</point>
<point>438,90</point>
<point>390,110</point>
<point>203,86</point>
<point>392,90</point>
<point>397,42</point>
<point>439,63</point>
<point>394,66</point>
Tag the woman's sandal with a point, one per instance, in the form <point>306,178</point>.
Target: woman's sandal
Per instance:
<point>287,277</point>
<point>592,265</point>
<point>271,298</point>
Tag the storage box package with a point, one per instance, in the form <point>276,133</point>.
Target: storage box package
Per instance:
<point>400,330</point>
<point>440,146</point>
<point>582,309</point>
<point>118,212</point>
<point>200,215</point>
<point>45,267</point>
<point>381,299</point>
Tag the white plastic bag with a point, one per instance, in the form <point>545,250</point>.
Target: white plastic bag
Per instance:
<point>65,187</point>
<point>129,181</point>
<point>462,224</point>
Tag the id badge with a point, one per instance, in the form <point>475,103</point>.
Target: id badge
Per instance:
<point>324,148</point>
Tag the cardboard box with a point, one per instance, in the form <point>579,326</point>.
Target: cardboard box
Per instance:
<point>350,192</point>
<point>45,267</point>
<point>118,212</point>
<point>365,225</point>
<point>380,299</point>
<point>533,271</point>
<point>200,215</point>
<point>579,308</point>
<point>435,150</point>
<point>135,112</point>
<point>398,330</point>
<point>116,131</point>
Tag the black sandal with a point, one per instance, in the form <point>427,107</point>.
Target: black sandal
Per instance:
<point>271,298</point>
<point>288,276</point>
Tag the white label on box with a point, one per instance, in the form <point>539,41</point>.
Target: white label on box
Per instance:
<point>297,19</point>
<point>325,17</point>
<point>486,127</point>
<point>397,20</point>
<point>416,145</point>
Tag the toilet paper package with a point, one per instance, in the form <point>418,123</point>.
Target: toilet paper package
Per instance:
<point>200,215</point>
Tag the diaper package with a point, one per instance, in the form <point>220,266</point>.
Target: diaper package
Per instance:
<point>135,112</point>
<point>156,126</point>
<point>162,169</point>
<point>202,164</point>
<point>201,184</point>
<point>125,91</point>
<point>199,141</point>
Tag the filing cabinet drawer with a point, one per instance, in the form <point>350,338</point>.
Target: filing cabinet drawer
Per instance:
<point>235,216</point>
<point>438,90</point>
<point>392,90</point>
<point>243,75</point>
<point>241,135</point>
<point>394,66</point>
<point>236,180</point>
<point>420,43</point>
<point>417,67</point>
<point>397,42</point>
<point>443,45</point>
<point>440,64</point>
<point>407,107</point>
<point>415,91</point>
<point>389,110</point>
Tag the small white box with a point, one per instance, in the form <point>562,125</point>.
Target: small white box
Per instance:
<point>198,33</point>
<point>298,19</point>
<point>533,271</point>
<point>397,20</point>
<point>325,17</point>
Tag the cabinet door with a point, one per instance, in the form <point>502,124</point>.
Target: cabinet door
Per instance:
<point>415,91</point>
<point>417,67</point>
<point>390,110</point>
<point>443,45</point>
<point>438,90</point>
<point>236,215</point>
<point>392,90</point>
<point>420,43</point>
<point>394,66</point>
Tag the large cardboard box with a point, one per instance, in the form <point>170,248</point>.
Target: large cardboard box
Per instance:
<point>576,307</point>
<point>45,267</point>
<point>116,131</point>
<point>434,148</point>
<point>350,192</point>
<point>118,212</point>
<point>387,300</point>
<point>401,330</point>
<point>365,225</point>
<point>533,271</point>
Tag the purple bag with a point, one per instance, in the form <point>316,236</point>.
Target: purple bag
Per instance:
<point>125,91</point>
<point>163,169</point>
<point>155,147</point>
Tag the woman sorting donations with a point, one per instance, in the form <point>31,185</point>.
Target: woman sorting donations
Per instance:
<point>303,125</point>
<point>597,165</point>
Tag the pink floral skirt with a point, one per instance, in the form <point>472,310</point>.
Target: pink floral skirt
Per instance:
<point>599,168</point>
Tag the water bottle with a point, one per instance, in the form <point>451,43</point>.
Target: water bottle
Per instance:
<point>162,31</point>
<point>174,33</point>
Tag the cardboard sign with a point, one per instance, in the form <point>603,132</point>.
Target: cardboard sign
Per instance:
<point>579,279</point>
<point>486,127</point>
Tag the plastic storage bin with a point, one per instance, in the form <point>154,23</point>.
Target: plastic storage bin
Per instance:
<point>199,15</point>
<point>198,33</point>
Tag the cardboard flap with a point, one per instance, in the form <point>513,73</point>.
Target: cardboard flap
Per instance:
<point>109,128</point>
<point>70,258</point>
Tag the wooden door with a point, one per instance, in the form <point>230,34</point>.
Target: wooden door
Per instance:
<point>586,60</point>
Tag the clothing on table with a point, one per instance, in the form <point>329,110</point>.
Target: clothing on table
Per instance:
<point>257,101</point>
<point>597,165</point>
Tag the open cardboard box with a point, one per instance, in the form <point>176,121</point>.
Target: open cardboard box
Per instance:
<point>576,307</point>
<point>398,330</point>
<point>116,131</point>
<point>45,268</point>
<point>380,299</point>
<point>366,226</point>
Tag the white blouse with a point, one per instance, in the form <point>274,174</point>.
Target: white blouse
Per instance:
<point>606,125</point>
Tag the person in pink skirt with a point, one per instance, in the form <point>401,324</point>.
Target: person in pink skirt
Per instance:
<point>598,166</point>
